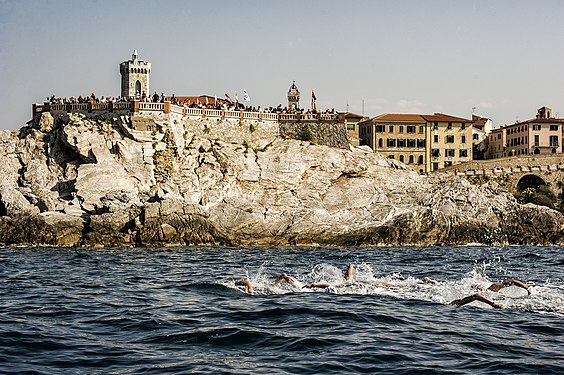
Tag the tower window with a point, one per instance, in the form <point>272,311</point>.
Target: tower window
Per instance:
<point>138,87</point>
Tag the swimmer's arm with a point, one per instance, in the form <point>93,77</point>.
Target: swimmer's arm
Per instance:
<point>246,283</point>
<point>519,284</point>
<point>475,297</point>
<point>289,280</point>
<point>349,273</point>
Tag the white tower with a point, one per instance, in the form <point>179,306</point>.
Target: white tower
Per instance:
<point>134,77</point>
<point>293,97</point>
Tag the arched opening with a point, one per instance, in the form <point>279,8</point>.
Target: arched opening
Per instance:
<point>533,189</point>
<point>420,159</point>
<point>410,160</point>
<point>553,151</point>
<point>137,87</point>
<point>530,181</point>
<point>401,158</point>
<point>536,151</point>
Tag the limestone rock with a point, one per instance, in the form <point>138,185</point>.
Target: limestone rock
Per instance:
<point>164,180</point>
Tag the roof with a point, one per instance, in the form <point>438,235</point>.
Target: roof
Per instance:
<point>537,121</point>
<point>399,117</point>
<point>480,123</point>
<point>352,115</point>
<point>444,118</point>
<point>197,99</point>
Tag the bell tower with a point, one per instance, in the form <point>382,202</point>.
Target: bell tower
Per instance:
<point>135,77</point>
<point>293,97</point>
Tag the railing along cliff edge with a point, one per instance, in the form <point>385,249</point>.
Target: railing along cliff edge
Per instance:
<point>167,107</point>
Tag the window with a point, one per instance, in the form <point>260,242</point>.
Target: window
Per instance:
<point>537,140</point>
<point>410,159</point>
<point>436,126</point>
<point>391,142</point>
<point>381,142</point>
<point>350,127</point>
<point>401,128</point>
<point>553,141</point>
<point>411,129</point>
<point>380,128</point>
<point>536,127</point>
<point>391,156</point>
<point>449,139</point>
<point>448,163</point>
<point>421,129</point>
<point>401,158</point>
<point>463,126</point>
<point>435,166</point>
<point>553,127</point>
<point>391,129</point>
<point>421,143</point>
<point>436,152</point>
<point>463,153</point>
<point>401,142</point>
<point>475,137</point>
<point>463,139</point>
<point>411,143</point>
<point>420,159</point>
<point>449,126</point>
<point>435,139</point>
<point>449,152</point>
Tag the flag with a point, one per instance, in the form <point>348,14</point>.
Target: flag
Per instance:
<point>236,100</point>
<point>228,98</point>
<point>246,96</point>
<point>313,99</point>
<point>215,100</point>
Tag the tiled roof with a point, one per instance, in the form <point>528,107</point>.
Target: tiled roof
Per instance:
<point>538,121</point>
<point>399,117</point>
<point>480,123</point>
<point>444,118</point>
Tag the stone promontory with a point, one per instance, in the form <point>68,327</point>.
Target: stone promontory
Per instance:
<point>160,180</point>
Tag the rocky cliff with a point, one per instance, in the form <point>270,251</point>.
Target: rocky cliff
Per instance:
<point>165,180</point>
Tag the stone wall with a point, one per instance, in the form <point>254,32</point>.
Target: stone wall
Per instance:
<point>328,134</point>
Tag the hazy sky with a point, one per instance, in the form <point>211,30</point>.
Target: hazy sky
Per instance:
<point>504,57</point>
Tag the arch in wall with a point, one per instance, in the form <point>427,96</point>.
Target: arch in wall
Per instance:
<point>530,181</point>
<point>553,151</point>
<point>138,87</point>
<point>536,151</point>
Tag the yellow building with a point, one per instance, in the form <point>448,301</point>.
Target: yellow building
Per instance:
<point>423,142</point>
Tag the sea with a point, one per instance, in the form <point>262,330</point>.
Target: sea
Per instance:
<point>182,311</point>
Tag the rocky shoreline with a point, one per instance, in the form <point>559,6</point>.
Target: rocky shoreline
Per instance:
<point>167,181</point>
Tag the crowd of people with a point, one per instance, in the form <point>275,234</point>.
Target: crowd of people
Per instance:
<point>53,99</point>
<point>217,104</point>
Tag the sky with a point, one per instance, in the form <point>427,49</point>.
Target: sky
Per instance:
<point>503,58</point>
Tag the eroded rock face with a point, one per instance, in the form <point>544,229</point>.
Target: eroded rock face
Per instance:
<point>164,180</point>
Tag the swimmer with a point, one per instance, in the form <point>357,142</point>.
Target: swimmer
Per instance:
<point>495,287</point>
<point>249,286</point>
<point>348,278</point>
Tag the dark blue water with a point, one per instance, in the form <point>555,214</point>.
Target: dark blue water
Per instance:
<point>124,311</point>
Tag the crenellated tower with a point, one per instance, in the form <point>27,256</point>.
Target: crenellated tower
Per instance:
<point>134,76</point>
<point>293,97</point>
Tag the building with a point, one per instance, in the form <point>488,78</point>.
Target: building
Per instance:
<point>496,144</point>
<point>539,136</point>
<point>481,128</point>
<point>135,77</point>
<point>351,123</point>
<point>293,97</point>
<point>423,142</point>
